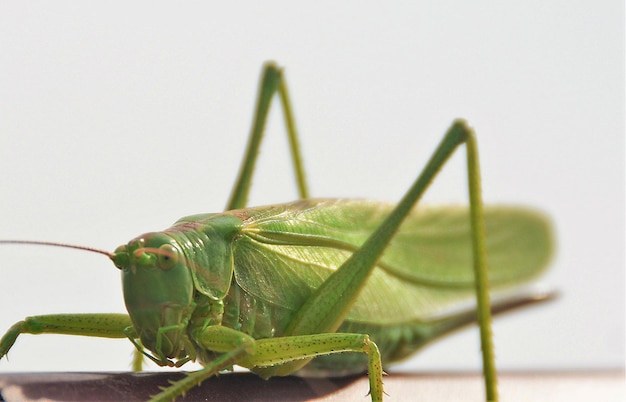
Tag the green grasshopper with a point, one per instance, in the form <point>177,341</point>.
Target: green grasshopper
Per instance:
<point>290,288</point>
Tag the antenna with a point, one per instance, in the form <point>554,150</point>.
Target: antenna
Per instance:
<point>54,244</point>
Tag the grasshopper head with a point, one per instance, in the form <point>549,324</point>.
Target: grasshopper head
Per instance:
<point>158,292</point>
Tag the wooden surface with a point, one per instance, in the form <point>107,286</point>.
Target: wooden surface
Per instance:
<point>546,386</point>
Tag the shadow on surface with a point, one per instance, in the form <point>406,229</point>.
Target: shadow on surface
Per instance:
<point>140,386</point>
<point>553,386</point>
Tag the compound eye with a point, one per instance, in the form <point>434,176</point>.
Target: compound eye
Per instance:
<point>120,257</point>
<point>167,256</point>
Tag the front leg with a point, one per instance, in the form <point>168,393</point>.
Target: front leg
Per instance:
<point>234,345</point>
<point>98,325</point>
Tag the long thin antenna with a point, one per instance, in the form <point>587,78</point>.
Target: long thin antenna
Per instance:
<point>50,243</point>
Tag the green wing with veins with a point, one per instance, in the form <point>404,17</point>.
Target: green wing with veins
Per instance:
<point>285,252</point>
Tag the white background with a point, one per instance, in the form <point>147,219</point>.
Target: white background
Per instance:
<point>117,119</point>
